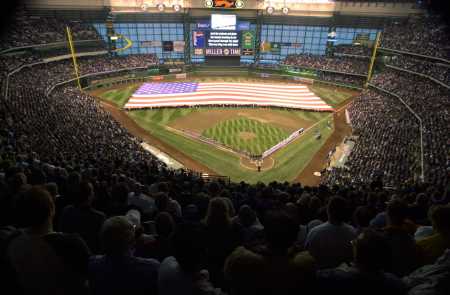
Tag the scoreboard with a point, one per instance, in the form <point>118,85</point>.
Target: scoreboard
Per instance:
<point>223,36</point>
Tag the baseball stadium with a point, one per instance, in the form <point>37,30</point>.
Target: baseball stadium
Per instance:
<point>225,146</point>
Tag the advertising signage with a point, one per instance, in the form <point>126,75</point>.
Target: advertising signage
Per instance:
<point>223,51</point>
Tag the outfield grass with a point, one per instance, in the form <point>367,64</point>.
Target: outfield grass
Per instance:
<point>246,135</point>
<point>119,96</point>
<point>331,95</point>
<point>289,161</point>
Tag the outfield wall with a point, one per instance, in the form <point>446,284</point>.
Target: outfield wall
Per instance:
<point>238,71</point>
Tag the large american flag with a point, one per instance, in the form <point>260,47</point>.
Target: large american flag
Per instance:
<point>172,94</point>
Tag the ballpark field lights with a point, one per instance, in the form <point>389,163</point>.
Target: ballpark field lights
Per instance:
<point>285,10</point>
<point>270,10</point>
<point>176,7</point>
<point>160,7</point>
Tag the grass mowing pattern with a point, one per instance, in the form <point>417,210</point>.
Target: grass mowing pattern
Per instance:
<point>119,96</point>
<point>289,161</point>
<point>229,133</point>
<point>331,95</point>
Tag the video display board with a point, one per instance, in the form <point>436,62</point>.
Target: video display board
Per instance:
<point>222,43</point>
<point>223,36</point>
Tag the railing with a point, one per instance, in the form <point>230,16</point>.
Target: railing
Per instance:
<point>422,168</point>
<point>419,74</point>
<point>53,44</point>
<point>446,61</point>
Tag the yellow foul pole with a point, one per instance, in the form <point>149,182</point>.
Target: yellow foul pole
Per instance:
<point>74,58</point>
<point>372,60</point>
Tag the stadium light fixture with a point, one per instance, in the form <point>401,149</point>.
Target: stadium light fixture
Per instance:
<point>285,10</point>
<point>144,7</point>
<point>160,7</point>
<point>176,7</point>
<point>209,3</point>
<point>270,10</point>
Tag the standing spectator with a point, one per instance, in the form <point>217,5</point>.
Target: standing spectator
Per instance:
<point>221,238</point>
<point>366,276</point>
<point>46,262</point>
<point>183,273</point>
<point>329,243</point>
<point>275,268</point>
<point>119,271</point>
<point>82,219</point>
<point>434,246</point>
<point>157,246</point>
<point>399,233</point>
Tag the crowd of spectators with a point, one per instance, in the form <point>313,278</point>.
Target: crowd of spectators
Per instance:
<point>436,70</point>
<point>338,64</point>
<point>350,49</point>
<point>45,75</point>
<point>431,103</point>
<point>97,214</point>
<point>387,143</point>
<point>425,35</point>
<point>353,80</point>
<point>103,233</point>
<point>32,30</point>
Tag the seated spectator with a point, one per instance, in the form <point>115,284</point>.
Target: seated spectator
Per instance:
<point>183,273</point>
<point>404,251</point>
<point>329,243</point>
<point>46,262</point>
<point>366,275</point>
<point>82,219</point>
<point>275,268</point>
<point>119,271</point>
<point>434,246</point>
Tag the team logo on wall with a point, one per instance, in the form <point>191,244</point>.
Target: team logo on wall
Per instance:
<point>224,3</point>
